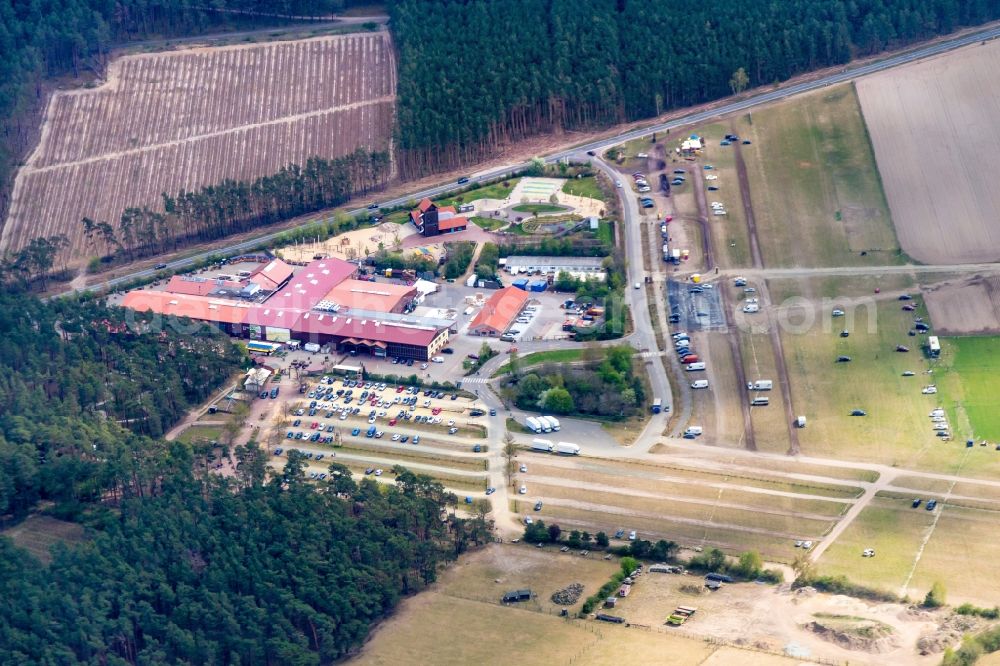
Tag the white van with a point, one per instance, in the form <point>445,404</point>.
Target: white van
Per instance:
<point>631,535</point>
<point>523,489</point>
<point>437,359</point>
<point>700,384</point>
<point>693,367</point>
<point>693,431</point>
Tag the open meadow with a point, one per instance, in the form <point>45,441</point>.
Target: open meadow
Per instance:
<point>934,127</point>
<point>815,188</point>
<point>460,621</point>
<point>163,122</point>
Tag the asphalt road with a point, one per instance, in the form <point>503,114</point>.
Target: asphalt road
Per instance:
<point>847,74</point>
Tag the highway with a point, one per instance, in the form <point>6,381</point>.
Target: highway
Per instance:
<point>847,74</point>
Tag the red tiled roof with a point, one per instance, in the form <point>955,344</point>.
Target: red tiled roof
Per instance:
<point>203,308</point>
<point>452,223</point>
<point>447,209</point>
<point>200,287</point>
<point>347,326</point>
<point>424,204</point>
<point>275,317</point>
<point>310,284</point>
<point>378,296</point>
<point>500,310</point>
<point>272,274</point>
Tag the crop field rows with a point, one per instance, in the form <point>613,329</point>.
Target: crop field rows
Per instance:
<point>173,121</point>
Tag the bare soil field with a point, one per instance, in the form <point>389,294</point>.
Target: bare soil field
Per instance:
<point>935,130</point>
<point>969,308</point>
<point>164,122</point>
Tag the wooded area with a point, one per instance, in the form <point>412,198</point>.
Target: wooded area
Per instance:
<point>531,66</point>
<point>180,565</point>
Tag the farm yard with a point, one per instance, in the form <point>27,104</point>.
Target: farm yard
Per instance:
<point>934,128</point>
<point>164,122</point>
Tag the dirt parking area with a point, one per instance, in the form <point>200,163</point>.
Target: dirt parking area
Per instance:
<point>935,129</point>
<point>775,618</point>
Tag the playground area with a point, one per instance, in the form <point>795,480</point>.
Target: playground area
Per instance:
<point>359,243</point>
<point>533,197</point>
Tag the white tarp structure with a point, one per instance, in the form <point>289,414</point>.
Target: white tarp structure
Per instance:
<point>256,379</point>
<point>425,287</point>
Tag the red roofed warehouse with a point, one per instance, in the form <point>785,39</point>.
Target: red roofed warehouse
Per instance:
<point>431,220</point>
<point>500,311</point>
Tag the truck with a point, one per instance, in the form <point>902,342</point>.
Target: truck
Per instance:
<point>760,385</point>
<point>933,346</point>
<point>552,421</point>
<point>542,445</point>
<point>311,347</point>
<point>534,424</point>
<point>666,252</point>
<point>657,405</point>
<point>675,256</point>
<point>568,448</point>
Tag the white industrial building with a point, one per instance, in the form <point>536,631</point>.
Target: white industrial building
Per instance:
<point>583,268</point>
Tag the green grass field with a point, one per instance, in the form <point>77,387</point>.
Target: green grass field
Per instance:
<point>488,223</point>
<point>769,423</point>
<point>499,190</point>
<point>894,530</point>
<point>536,358</point>
<point>972,383</point>
<point>583,187</point>
<point>816,190</point>
<point>536,208</point>
<point>896,429</point>
<point>196,433</point>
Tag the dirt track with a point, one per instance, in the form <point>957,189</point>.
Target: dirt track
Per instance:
<point>935,127</point>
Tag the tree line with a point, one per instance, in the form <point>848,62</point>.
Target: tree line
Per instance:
<point>234,206</point>
<point>178,565</point>
<point>571,64</point>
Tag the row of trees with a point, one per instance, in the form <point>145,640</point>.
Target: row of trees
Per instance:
<point>178,565</point>
<point>582,63</point>
<point>216,211</point>
<point>40,40</point>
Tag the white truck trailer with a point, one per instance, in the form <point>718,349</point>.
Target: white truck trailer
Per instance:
<point>568,448</point>
<point>542,445</point>
<point>534,424</point>
<point>551,420</point>
<point>760,385</point>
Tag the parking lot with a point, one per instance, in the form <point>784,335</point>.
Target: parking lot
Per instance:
<point>698,306</point>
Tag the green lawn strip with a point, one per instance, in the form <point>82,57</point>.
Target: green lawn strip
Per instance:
<point>583,187</point>
<point>537,358</point>
<point>538,208</point>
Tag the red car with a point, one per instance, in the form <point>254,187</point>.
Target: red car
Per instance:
<point>436,411</point>
<point>399,389</point>
<point>315,424</point>
<point>392,422</point>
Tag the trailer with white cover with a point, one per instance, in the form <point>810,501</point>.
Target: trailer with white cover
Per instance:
<point>542,445</point>
<point>552,421</point>
<point>568,448</point>
<point>760,385</point>
<point>534,424</point>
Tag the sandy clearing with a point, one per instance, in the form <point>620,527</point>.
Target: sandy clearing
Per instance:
<point>934,126</point>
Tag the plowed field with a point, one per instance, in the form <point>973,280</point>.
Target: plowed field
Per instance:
<point>181,120</point>
<point>934,125</point>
